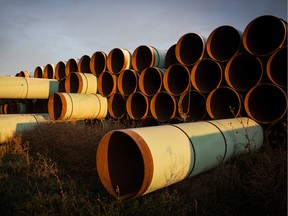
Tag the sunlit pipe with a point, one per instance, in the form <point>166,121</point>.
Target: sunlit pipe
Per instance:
<point>206,75</point>
<point>264,35</point>
<point>277,67</point>
<point>84,83</point>
<point>170,57</point>
<point>136,161</point>
<point>117,106</point>
<point>27,88</point>
<point>60,70</point>
<point>107,84</point>
<point>266,103</point>
<point>190,48</point>
<point>163,106</point>
<point>14,124</point>
<point>176,79</point>
<point>118,60</point>
<point>150,80</point>
<point>64,106</point>
<point>49,71</point>
<point>71,66</point>
<point>127,82</point>
<point>148,56</point>
<point>23,74</point>
<point>243,71</point>
<point>137,106</point>
<point>223,43</point>
<point>224,102</point>
<point>84,64</point>
<point>39,72</point>
<point>98,63</point>
<point>192,106</point>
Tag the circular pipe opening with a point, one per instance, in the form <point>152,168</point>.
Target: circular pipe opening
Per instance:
<point>98,63</point>
<point>223,43</point>
<point>142,58</point>
<point>243,72</point>
<point>206,75</point>
<point>137,106</point>
<point>117,106</point>
<point>107,84</point>
<point>60,70</point>
<point>118,60</point>
<point>57,105</point>
<point>266,103</point>
<point>71,66</point>
<point>150,81</point>
<point>127,82</point>
<point>84,64</point>
<point>74,83</point>
<point>49,71</point>
<point>170,57</point>
<point>38,72</point>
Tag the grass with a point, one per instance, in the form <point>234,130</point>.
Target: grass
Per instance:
<point>50,170</point>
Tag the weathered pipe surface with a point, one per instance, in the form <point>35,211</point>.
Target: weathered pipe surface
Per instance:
<point>27,88</point>
<point>117,106</point>
<point>190,48</point>
<point>98,63</point>
<point>176,79</point>
<point>71,66</point>
<point>107,84</point>
<point>264,35</point>
<point>266,103</point>
<point>83,83</point>
<point>192,106</point>
<point>224,102</point>
<point>39,72</point>
<point>151,81</point>
<point>243,72</point>
<point>137,106</point>
<point>277,67</point>
<point>127,82</point>
<point>206,75</point>
<point>223,43</point>
<point>134,162</point>
<point>49,71</point>
<point>60,70</point>
<point>84,64</point>
<point>64,106</point>
<point>14,124</point>
<point>118,59</point>
<point>148,56</point>
<point>163,106</point>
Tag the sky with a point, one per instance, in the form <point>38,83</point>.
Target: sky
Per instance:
<point>40,32</point>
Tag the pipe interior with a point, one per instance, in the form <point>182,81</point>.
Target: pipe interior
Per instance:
<point>129,82</point>
<point>99,63</point>
<point>143,58</point>
<point>118,106</point>
<point>107,83</point>
<point>170,57</point>
<point>138,105</point>
<point>178,79</point>
<point>225,43</point>
<point>265,34</point>
<point>278,67</point>
<point>125,164</point>
<point>152,81</point>
<point>74,83</point>
<point>60,70</point>
<point>71,66</point>
<point>85,64</point>
<point>117,60</point>
<point>164,107</point>
<point>57,106</point>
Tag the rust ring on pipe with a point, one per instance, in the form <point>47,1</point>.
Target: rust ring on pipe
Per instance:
<point>60,70</point>
<point>71,66</point>
<point>150,81</point>
<point>137,105</point>
<point>98,63</point>
<point>83,64</point>
<point>127,82</point>
<point>117,106</point>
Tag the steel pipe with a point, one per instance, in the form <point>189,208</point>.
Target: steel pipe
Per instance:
<point>49,71</point>
<point>170,57</point>
<point>117,106</point>
<point>60,70</point>
<point>38,72</point>
<point>83,83</point>
<point>107,84</point>
<point>71,66</point>
<point>98,63</point>
<point>266,103</point>
<point>137,161</point>
<point>118,60</point>
<point>127,82</point>
<point>264,35</point>
<point>64,106</point>
<point>83,64</point>
<point>27,88</point>
<point>137,106</point>
<point>23,74</point>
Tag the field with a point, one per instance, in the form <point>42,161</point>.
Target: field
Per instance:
<point>51,170</point>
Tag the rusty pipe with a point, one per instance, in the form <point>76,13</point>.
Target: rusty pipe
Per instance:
<point>117,106</point>
<point>38,72</point>
<point>137,106</point>
<point>107,84</point>
<point>170,57</point>
<point>83,83</point>
<point>83,64</point>
<point>23,74</point>
<point>49,71</point>
<point>60,70</point>
<point>71,66</point>
<point>118,59</point>
<point>127,82</point>
<point>98,63</point>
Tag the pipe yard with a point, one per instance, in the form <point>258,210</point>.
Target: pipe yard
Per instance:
<point>210,100</point>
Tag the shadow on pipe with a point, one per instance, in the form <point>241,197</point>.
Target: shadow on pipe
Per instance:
<point>127,82</point>
<point>83,64</point>
<point>38,72</point>
<point>71,66</point>
<point>150,81</point>
<point>265,34</point>
<point>98,63</point>
<point>60,70</point>
<point>117,106</point>
<point>118,60</point>
<point>206,75</point>
<point>243,72</point>
<point>107,84</point>
<point>266,103</point>
<point>83,83</point>
<point>137,106</point>
<point>49,71</point>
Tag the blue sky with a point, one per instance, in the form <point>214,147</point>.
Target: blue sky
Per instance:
<point>40,32</point>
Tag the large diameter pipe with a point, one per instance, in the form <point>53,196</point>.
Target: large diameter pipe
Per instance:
<point>277,67</point>
<point>190,48</point>
<point>27,88</point>
<point>118,60</point>
<point>134,162</point>
<point>117,106</point>
<point>137,106</point>
<point>148,56</point>
<point>264,35</point>
<point>39,72</point>
<point>49,71</point>
<point>23,74</point>
<point>266,103</point>
<point>223,43</point>
<point>60,70</point>
<point>170,57</point>
<point>127,82</point>
<point>17,108</point>
<point>14,124</point>
<point>192,106</point>
<point>71,66</point>
<point>206,75</point>
<point>163,106</point>
<point>83,83</point>
<point>107,84</point>
<point>98,63</point>
<point>64,106</point>
<point>150,81</point>
<point>84,64</point>
<point>224,102</point>
<point>243,72</point>
<point>176,79</point>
